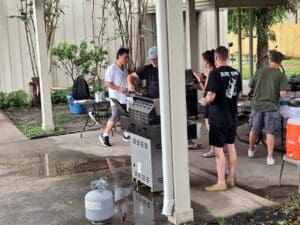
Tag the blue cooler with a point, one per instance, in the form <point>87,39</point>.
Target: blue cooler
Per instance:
<point>75,108</point>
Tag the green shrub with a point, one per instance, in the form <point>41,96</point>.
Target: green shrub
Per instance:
<point>3,97</point>
<point>15,99</point>
<point>59,97</point>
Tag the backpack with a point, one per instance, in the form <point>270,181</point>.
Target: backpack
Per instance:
<point>80,89</point>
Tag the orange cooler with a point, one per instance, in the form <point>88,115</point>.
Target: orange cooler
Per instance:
<point>293,138</point>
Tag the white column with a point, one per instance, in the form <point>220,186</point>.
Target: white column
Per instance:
<point>223,27</point>
<point>202,36</point>
<point>173,106</point>
<point>251,42</point>
<point>191,35</point>
<point>43,67</point>
<point>212,29</point>
<point>240,42</point>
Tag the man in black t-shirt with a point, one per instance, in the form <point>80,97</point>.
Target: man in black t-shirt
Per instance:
<point>148,73</point>
<point>223,89</point>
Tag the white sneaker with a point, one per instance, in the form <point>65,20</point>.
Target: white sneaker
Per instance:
<point>251,153</point>
<point>270,161</point>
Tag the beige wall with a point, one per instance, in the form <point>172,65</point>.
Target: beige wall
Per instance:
<point>74,26</point>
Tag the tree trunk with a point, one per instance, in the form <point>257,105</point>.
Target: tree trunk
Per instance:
<point>262,38</point>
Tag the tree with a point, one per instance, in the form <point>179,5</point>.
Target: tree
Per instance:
<point>263,19</point>
<point>130,17</point>
<point>52,12</point>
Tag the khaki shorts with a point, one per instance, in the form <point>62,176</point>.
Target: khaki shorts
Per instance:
<point>269,122</point>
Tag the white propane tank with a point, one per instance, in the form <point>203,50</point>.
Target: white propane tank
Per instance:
<point>98,202</point>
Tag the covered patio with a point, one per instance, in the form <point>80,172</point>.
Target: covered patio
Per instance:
<point>170,39</point>
<point>177,198</point>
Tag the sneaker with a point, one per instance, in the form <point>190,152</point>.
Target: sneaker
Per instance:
<point>251,153</point>
<point>126,138</point>
<point>270,161</point>
<point>104,141</point>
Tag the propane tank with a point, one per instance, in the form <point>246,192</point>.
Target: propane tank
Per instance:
<point>98,202</point>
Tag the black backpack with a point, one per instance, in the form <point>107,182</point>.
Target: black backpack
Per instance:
<point>80,89</point>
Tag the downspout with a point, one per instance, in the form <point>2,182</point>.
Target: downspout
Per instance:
<point>164,90</point>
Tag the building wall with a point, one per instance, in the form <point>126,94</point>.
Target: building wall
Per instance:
<point>74,26</point>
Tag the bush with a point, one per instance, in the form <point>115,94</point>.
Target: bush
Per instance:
<point>59,97</point>
<point>15,99</point>
<point>3,97</point>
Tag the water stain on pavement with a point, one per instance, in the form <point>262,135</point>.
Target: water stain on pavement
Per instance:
<point>58,164</point>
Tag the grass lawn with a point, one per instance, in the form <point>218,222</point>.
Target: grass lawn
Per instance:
<point>291,66</point>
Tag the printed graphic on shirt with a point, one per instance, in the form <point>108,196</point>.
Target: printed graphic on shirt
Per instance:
<point>231,89</point>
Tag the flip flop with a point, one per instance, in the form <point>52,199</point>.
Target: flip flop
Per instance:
<point>208,155</point>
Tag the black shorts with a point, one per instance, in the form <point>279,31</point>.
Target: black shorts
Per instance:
<point>205,112</point>
<point>219,136</point>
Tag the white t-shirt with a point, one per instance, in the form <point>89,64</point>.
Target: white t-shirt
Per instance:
<point>119,78</point>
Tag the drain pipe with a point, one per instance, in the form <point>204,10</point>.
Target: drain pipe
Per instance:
<point>164,90</point>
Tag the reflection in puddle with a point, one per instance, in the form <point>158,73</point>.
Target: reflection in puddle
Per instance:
<point>147,208</point>
<point>138,207</point>
<point>59,164</point>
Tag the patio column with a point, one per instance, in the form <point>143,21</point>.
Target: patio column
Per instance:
<point>251,42</point>
<point>170,40</point>
<point>43,66</point>
<point>191,35</point>
<point>240,42</point>
<point>213,29</point>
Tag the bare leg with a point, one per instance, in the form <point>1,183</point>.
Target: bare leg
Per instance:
<point>211,151</point>
<point>109,127</point>
<point>252,140</point>
<point>206,124</point>
<point>232,162</point>
<point>270,144</point>
<point>220,165</point>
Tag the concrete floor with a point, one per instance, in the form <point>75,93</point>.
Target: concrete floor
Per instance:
<point>44,181</point>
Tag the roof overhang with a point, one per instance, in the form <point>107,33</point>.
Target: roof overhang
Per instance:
<point>210,4</point>
<point>246,3</point>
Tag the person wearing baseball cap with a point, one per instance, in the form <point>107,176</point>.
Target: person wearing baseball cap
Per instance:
<point>149,73</point>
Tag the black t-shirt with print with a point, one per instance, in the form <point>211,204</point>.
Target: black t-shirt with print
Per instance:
<point>226,83</point>
<point>150,74</point>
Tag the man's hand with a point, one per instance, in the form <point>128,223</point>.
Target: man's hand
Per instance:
<point>131,87</point>
<point>122,90</point>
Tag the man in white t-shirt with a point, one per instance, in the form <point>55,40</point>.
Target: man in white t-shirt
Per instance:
<point>116,81</point>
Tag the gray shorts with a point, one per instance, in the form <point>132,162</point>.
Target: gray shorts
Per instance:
<point>269,122</point>
<point>115,114</point>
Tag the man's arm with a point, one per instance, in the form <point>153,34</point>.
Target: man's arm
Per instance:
<point>114,87</point>
<point>130,81</point>
<point>210,97</point>
<point>283,94</point>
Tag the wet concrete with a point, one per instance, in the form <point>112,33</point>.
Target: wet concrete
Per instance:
<point>49,188</point>
<point>44,181</point>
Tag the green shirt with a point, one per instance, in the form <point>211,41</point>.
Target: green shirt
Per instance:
<point>267,84</point>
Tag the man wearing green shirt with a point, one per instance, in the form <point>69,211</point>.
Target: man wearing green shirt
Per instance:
<point>268,85</point>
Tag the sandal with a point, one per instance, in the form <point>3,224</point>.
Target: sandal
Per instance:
<point>229,184</point>
<point>208,155</point>
<point>216,187</point>
<point>194,146</point>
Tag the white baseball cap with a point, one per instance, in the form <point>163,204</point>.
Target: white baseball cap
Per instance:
<point>152,53</point>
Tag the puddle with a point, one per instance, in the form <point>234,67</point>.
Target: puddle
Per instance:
<point>132,204</point>
<point>140,207</point>
<point>59,164</point>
